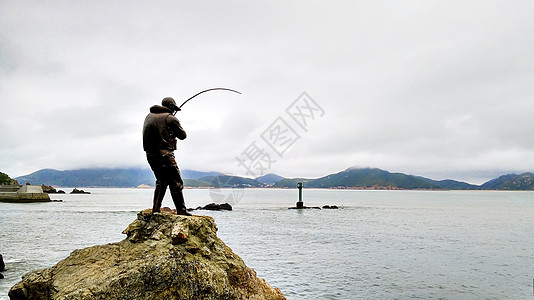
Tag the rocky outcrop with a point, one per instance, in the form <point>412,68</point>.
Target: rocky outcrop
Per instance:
<point>330,207</point>
<point>214,206</point>
<point>77,191</point>
<point>51,190</point>
<point>164,256</point>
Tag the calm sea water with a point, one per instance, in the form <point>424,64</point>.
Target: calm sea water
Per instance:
<point>378,245</point>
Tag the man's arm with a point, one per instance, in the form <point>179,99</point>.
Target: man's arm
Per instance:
<point>176,128</point>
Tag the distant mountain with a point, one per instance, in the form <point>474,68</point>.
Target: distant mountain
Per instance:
<point>196,183</point>
<point>225,181</point>
<point>292,182</point>
<point>269,178</point>
<point>362,178</point>
<point>522,182</point>
<point>190,174</point>
<point>130,177</point>
<point>372,178</point>
<point>449,184</point>
<point>365,178</point>
<point>100,177</point>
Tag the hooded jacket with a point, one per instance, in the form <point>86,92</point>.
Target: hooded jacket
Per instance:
<point>160,130</point>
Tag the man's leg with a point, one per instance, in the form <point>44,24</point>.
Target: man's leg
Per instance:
<point>159,193</point>
<point>179,202</point>
<point>157,165</point>
<point>176,185</point>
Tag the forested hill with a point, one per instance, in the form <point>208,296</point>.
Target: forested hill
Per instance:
<point>372,178</point>
<point>6,180</point>
<point>523,182</point>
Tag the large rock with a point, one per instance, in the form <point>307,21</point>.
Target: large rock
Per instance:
<point>164,256</point>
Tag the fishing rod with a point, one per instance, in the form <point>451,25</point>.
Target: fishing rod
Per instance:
<point>179,108</point>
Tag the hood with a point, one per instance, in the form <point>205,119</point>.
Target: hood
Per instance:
<point>158,109</point>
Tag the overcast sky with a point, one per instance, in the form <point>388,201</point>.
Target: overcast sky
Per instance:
<point>433,88</point>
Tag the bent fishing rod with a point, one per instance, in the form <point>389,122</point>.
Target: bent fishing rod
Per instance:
<point>179,108</point>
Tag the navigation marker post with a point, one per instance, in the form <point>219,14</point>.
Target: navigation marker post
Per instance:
<point>300,204</point>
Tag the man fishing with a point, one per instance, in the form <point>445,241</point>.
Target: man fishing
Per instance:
<point>160,130</point>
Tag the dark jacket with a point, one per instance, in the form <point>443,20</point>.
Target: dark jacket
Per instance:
<point>160,130</point>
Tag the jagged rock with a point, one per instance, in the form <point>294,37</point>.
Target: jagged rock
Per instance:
<point>2,264</point>
<point>51,190</point>
<point>215,206</point>
<point>48,189</point>
<point>164,256</point>
<point>77,191</point>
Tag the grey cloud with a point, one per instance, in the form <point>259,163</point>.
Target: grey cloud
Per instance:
<point>432,87</point>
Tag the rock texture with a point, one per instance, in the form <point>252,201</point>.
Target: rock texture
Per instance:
<point>164,256</point>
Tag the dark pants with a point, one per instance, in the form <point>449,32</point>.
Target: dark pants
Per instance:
<point>167,175</point>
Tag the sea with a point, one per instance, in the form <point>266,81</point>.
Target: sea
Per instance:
<point>376,245</point>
